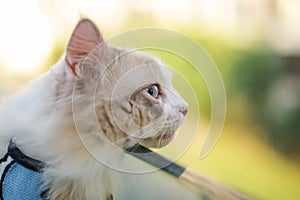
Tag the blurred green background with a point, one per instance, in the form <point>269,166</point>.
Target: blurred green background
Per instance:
<point>255,45</point>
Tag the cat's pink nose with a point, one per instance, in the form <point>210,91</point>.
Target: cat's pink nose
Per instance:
<point>184,111</point>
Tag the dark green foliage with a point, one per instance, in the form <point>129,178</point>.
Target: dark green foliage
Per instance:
<point>254,71</point>
<point>262,77</point>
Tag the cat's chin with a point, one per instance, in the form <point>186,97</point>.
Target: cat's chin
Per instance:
<point>158,141</point>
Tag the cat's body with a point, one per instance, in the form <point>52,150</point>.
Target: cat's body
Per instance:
<point>95,99</point>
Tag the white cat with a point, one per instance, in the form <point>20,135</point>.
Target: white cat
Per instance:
<point>79,116</point>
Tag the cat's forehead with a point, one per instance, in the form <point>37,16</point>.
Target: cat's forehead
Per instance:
<point>132,71</point>
<point>137,64</point>
<point>147,65</point>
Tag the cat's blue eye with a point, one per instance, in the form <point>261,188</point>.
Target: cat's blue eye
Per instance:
<point>153,91</point>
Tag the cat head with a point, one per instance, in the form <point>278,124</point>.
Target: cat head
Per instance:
<point>132,93</point>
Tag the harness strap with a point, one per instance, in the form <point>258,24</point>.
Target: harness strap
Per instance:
<point>21,176</point>
<point>24,160</point>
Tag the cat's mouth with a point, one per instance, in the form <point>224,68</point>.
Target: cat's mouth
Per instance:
<point>164,136</point>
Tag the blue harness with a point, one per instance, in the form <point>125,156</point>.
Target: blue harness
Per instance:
<point>20,176</point>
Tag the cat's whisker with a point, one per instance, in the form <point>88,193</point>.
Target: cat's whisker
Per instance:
<point>160,140</point>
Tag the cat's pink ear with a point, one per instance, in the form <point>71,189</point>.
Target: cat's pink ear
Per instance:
<point>84,39</point>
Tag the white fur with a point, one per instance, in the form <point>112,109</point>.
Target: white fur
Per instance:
<point>54,121</point>
<point>38,124</point>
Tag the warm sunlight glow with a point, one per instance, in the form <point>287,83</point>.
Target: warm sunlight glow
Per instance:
<point>23,45</point>
<point>29,29</point>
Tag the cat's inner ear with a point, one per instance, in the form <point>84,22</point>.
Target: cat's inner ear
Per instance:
<point>84,39</point>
